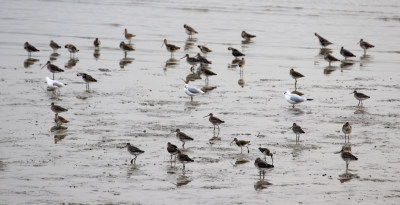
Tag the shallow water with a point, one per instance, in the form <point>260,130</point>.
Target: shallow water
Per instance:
<point>140,98</point>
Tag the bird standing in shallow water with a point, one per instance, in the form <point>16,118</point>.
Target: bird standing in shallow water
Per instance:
<point>57,109</point>
<point>53,45</point>
<point>322,41</point>
<point>294,99</point>
<point>182,137</point>
<point>87,79</point>
<point>330,58</point>
<point>203,61</point>
<point>295,75</point>
<point>71,49</point>
<point>235,52</point>
<point>29,48</point>
<point>346,129</point>
<point>297,130</point>
<point>191,91</point>
<point>365,45</point>
<point>96,43</point>
<point>125,47</point>
<point>183,158</point>
<point>247,36</point>
<point>360,97</point>
<point>266,153</point>
<point>347,156</point>
<point>241,144</point>
<point>128,36</point>
<point>214,120</point>
<point>172,149</point>
<point>346,54</point>
<point>191,60</point>
<point>189,30</point>
<point>53,84</point>
<point>262,166</point>
<point>170,47</point>
<point>204,49</point>
<point>133,151</point>
<point>60,120</point>
<point>52,68</point>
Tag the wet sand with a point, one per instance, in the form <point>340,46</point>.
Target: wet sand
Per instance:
<point>140,98</point>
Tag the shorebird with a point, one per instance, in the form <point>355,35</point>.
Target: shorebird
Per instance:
<point>207,73</point>
<point>72,49</point>
<point>235,52</point>
<point>96,43</point>
<point>214,120</point>
<point>365,45</point>
<point>295,75</point>
<point>262,166</point>
<point>346,54</point>
<point>191,60</point>
<point>172,149</point>
<point>60,120</point>
<point>360,97</point>
<point>133,151</point>
<point>52,68</point>
<point>128,36</point>
<point>183,158</point>
<point>191,91</point>
<point>247,36</point>
<point>182,137</point>
<point>330,58</point>
<point>203,61</point>
<point>297,130</point>
<point>170,47</point>
<point>242,63</point>
<point>189,30</point>
<point>29,48</point>
<point>241,144</point>
<point>204,49</point>
<point>57,108</point>
<point>54,46</point>
<point>54,84</point>
<point>295,99</point>
<point>347,156</point>
<point>125,47</point>
<point>347,131</point>
<point>87,79</point>
<point>324,43</point>
<point>266,153</point>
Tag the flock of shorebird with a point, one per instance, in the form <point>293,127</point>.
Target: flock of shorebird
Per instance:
<point>172,149</point>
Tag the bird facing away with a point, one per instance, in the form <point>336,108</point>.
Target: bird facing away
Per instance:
<point>170,47</point>
<point>214,120</point>
<point>295,75</point>
<point>54,84</point>
<point>266,152</point>
<point>204,49</point>
<point>360,97</point>
<point>235,52</point>
<point>96,43</point>
<point>347,156</point>
<point>57,108</point>
<point>182,137</point>
<point>189,30</point>
<point>87,79</point>
<point>133,151</point>
<point>346,129</point>
<point>241,144</point>
<point>71,49</point>
<point>29,48</point>
<point>128,36</point>
<point>297,130</point>
<point>295,99</point>
<point>191,91</point>
<point>330,58</point>
<point>322,41</point>
<point>53,45</point>
<point>52,68</point>
<point>346,54</point>
<point>60,120</point>
<point>172,149</point>
<point>247,36</point>
<point>262,166</point>
<point>183,158</point>
<point>365,45</point>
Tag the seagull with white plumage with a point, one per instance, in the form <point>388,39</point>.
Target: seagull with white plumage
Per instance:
<point>54,84</point>
<point>191,91</point>
<point>295,99</point>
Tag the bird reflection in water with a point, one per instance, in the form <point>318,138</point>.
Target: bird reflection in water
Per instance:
<point>29,61</point>
<point>59,137</point>
<point>96,53</point>
<point>345,65</point>
<point>183,180</point>
<point>71,63</point>
<point>261,184</point>
<point>329,69</point>
<point>234,63</point>
<point>54,56</point>
<point>171,63</point>
<point>125,61</point>
<point>189,43</point>
<point>324,51</point>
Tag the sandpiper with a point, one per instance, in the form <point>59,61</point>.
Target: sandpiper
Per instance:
<point>235,52</point>
<point>360,97</point>
<point>295,75</point>
<point>125,47</point>
<point>207,72</point>
<point>347,131</point>
<point>29,48</point>
<point>266,153</point>
<point>297,130</point>
<point>262,166</point>
<point>330,58</point>
<point>172,149</point>
<point>72,49</point>
<point>54,46</point>
<point>294,99</point>
<point>191,91</point>
<point>204,49</point>
<point>191,60</point>
<point>54,84</point>
<point>133,151</point>
<point>324,43</point>
<point>214,120</point>
<point>203,61</point>
<point>128,36</point>
<point>52,68</point>
<point>57,108</point>
<point>365,45</point>
<point>96,43</point>
<point>182,137</point>
<point>241,144</point>
<point>247,36</point>
<point>347,156</point>
<point>346,54</point>
<point>189,30</point>
<point>60,120</point>
<point>183,158</point>
<point>87,79</point>
<point>241,64</point>
<point>170,47</point>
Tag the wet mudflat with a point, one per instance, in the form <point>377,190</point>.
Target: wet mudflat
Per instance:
<point>140,99</point>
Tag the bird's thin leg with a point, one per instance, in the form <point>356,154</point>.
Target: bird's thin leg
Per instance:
<point>183,145</point>
<point>191,98</point>
<point>171,158</point>
<point>248,151</point>
<point>265,158</point>
<point>260,174</point>
<point>347,167</point>
<point>241,150</point>
<point>293,105</point>
<point>134,161</point>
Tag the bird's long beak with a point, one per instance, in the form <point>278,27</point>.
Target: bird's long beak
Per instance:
<point>231,142</point>
<point>182,57</point>
<point>339,152</point>
<point>290,127</point>
<point>272,160</point>
<point>172,131</point>
<point>44,65</point>
<point>351,93</point>
<point>206,116</point>
<point>162,44</point>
